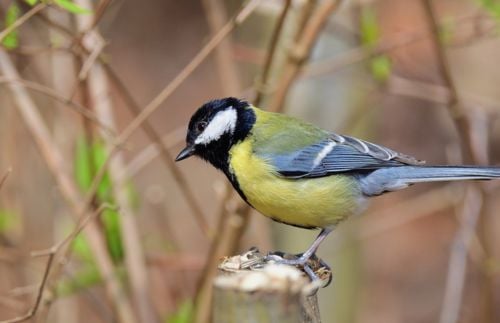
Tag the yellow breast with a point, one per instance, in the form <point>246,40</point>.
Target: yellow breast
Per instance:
<point>312,202</point>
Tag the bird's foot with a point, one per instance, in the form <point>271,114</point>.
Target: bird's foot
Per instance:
<point>315,268</point>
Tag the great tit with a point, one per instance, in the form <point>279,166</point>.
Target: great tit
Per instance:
<point>299,174</point>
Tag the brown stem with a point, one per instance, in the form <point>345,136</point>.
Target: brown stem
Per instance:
<point>188,69</point>
<point>51,254</point>
<point>262,85</point>
<point>455,109</point>
<point>301,50</point>
<point>4,177</point>
<point>77,107</point>
<point>57,165</point>
<point>21,20</point>
<point>98,91</point>
<point>165,154</point>
<point>472,207</point>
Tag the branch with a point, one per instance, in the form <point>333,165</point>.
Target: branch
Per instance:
<point>146,155</point>
<point>162,149</point>
<point>57,166</point>
<point>51,253</point>
<point>39,295</point>
<point>77,107</point>
<point>473,205</point>
<point>21,20</point>
<point>361,53</point>
<point>262,85</point>
<point>178,80</point>
<point>98,91</point>
<point>455,109</point>
<point>227,69</point>
<point>457,265</point>
<point>135,109</point>
<point>4,178</point>
<point>188,69</point>
<point>301,50</point>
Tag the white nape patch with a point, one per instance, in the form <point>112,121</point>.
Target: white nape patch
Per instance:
<point>224,121</point>
<point>322,154</point>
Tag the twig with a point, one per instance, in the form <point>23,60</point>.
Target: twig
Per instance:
<point>51,254</point>
<point>77,107</point>
<point>12,303</point>
<point>438,94</point>
<point>456,112</point>
<point>301,50</point>
<point>39,295</point>
<point>21,20</point>
<point>179,79</point>
<point>99,12</point>
<point>361,53</point>
<point>145,156</point>
<point>4,177</point>
<point>96,43</point>
<point>150,131</point>
<point>167,158</point>
<point>160,148</point>
<point>227,69</point>
<point>188,69</point>
<point>34,50</point>
<point>97,86</point>
<point>57,165</point>
<point>59,27</point>
<point>473,205</point>
<point>457,265</point>
<point>262,84</point>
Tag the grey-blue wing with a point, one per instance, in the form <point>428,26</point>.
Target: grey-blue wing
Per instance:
<point>337,154</point>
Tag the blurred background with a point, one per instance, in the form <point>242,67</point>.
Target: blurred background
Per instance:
<point>95,97</point>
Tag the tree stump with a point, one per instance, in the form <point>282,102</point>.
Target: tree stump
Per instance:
<point>267,293</point>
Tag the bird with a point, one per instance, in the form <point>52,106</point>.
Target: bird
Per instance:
<point>299,174</point>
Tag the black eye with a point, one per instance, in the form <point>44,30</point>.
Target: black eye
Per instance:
<point>200,126</point>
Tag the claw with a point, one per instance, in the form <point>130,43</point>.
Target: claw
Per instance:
<point>315,268</point>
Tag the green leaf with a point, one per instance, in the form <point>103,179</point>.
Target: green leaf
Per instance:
<point>82,249</point>
<point>31,2</point>
<point>90,157</point>
<point>380,67</point>
<point>446,30</point>
<point>71,7</point>
<point>369,28</point>
<point>11,40</point>
<point>99,155</point>
<point>184,313</point>
<point>83,279</point>
<point>8,220</point>
<point>88,160</point>
<point>112,230</point>
<point>492,7</point>
<point>83,166</point>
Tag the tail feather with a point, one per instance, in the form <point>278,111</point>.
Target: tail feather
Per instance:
<point>395,178</point>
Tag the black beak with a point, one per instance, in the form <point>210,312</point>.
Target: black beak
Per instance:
<point>185,153</point>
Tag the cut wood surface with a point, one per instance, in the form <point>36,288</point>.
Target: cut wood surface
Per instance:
<point>267,293</point>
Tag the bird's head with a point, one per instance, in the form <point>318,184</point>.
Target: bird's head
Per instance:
<point>215,127</point>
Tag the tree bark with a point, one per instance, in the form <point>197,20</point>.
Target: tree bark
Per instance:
<point>273,293</point>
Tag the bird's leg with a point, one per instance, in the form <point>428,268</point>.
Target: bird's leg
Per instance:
<point>302,260</point>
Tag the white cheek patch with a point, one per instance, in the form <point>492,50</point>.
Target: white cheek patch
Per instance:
<point>224,121</point>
